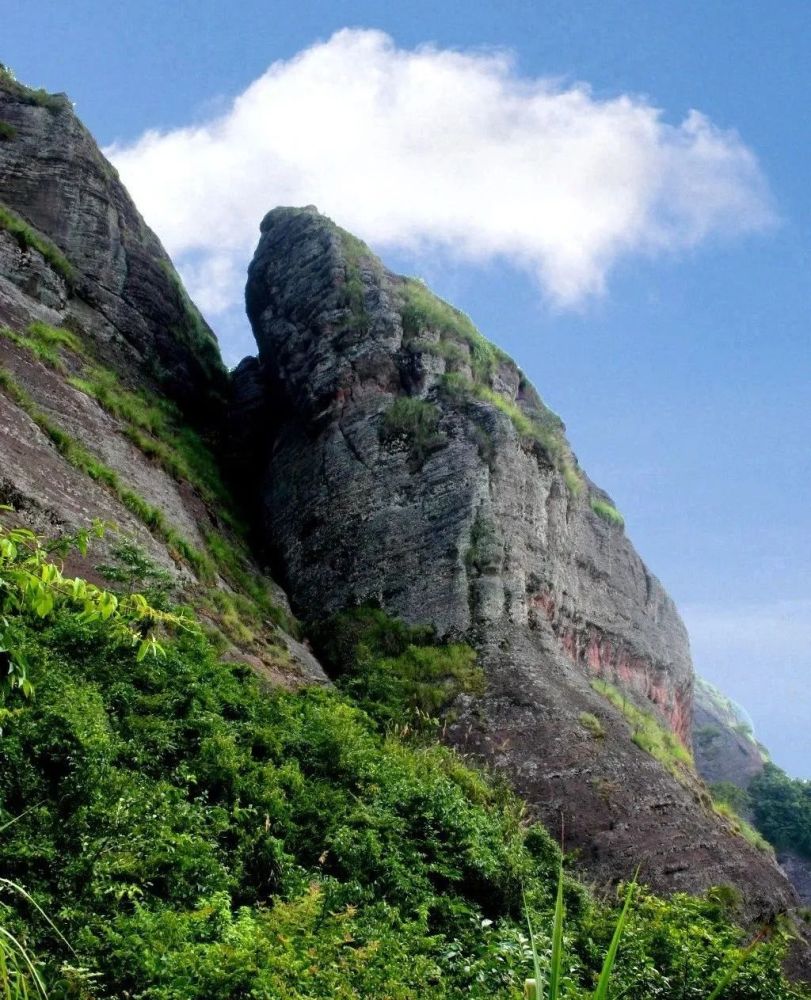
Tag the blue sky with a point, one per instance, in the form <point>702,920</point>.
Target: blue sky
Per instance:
<point>684,382</point>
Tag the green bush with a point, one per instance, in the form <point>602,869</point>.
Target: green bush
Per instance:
<point>26,236</point>
<point>649,733</point>
<point>413,422</point>
<point>29,95</point>
<point>396,673</point>
<point>592,725</point>
<point>7,132</point>
<point>782,809</point>
<point>459,339</point>
<point>607,512</point>
<point>197,837</point>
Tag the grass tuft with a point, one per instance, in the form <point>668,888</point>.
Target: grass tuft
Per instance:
<point>607,512</point>
<point>27,237</point>
<point>648,733</point>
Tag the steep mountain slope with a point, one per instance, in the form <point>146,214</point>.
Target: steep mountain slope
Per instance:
<point>389,453</point>
<point>738,770</point>
<point>111,384</point>
<point>408,462</point>
<point>725,746</point>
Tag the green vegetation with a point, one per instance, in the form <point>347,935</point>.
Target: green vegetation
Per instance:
<point>400,675</point>
<point>607,512</point>
<point>7,132</point>
<point>44,342</point>
<point>356,253</point>
<point>592,725</point>
<point>26,236</point>
<point>194,332</point>
<point>80,458</point>
<point>742,828</point>
<point>196,837</point>
<point>540,427</point>
<point>781,807</point>
<point>29,95</point>
<point>415,423</point>
<point>156,428</point>
<point>649,734</point>
<point>459,340</point>
<point>461,344</point>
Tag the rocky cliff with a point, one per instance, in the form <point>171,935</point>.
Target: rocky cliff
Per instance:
<point>403,460</point>
<point>723,738</point>
<point>112,391</point>
<point>388,453</point>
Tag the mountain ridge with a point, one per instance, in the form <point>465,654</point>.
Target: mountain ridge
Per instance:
<point>385,453</point>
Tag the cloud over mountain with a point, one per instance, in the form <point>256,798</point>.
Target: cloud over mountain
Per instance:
<point>456,151</point>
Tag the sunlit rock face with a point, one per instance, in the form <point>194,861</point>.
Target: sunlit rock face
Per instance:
<point>401,459</point>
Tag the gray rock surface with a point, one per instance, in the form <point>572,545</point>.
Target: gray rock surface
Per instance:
<point>124,290</point>
<point>120,296</point>
<point>723,740</point>
<point>483,532</point>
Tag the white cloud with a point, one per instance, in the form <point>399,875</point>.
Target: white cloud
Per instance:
<point>431,147</point>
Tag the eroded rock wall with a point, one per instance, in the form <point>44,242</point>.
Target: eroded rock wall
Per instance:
<point>484,526</point>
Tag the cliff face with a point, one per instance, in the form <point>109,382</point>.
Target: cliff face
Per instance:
<point>725,746</point>
<point>112,391</point>
<point>389,453</point>
<point>114,279</point>
<point>403,460</point>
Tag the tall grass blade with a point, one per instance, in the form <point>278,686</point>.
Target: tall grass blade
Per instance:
<point>25,895</point>
<point>719,989</point>
<point>14,819</point>
<point>557,943</point>
<point>601,993</point>
<point>535,993</point>
<point>16,950</point>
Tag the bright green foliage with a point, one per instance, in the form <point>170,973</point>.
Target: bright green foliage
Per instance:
<point>44,342</point>
<point>459,339</point>
<point>132,570</point>
<point>356,255</point>
<point>460,344</point>
<point>196,837</point>
<point>29,95</point>
<point>732,795</point>
<point>592,725</point>
<point>782,809</point>
<point>607,512</point>
<point>414,422</point>
<point>604,982</point>
<point>33,586</point>
<point>397,673</point>
<point>26,237</point>
<point>156,429</point>
<point>742,828</point>
<point>7,132</point>
<point>649,734</point>
<point>80,458</point>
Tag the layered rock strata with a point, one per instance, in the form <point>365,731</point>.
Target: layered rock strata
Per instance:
<point>403,460</point>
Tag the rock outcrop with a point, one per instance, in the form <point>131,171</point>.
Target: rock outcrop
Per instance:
<point>723,739</point>
<point>109,276</point>
<point>112,390</point>
<point>404,460</point>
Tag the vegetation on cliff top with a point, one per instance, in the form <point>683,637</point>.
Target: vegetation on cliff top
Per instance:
<point>26,236</point>
<point>195,836</point>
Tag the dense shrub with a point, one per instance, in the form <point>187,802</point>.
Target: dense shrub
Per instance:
<point>782,809</point>
<point>414,423</point>
<point>196,836</point>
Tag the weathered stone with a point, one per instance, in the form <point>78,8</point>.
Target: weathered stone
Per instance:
<point>124,290</point>
<point>485,534</point>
